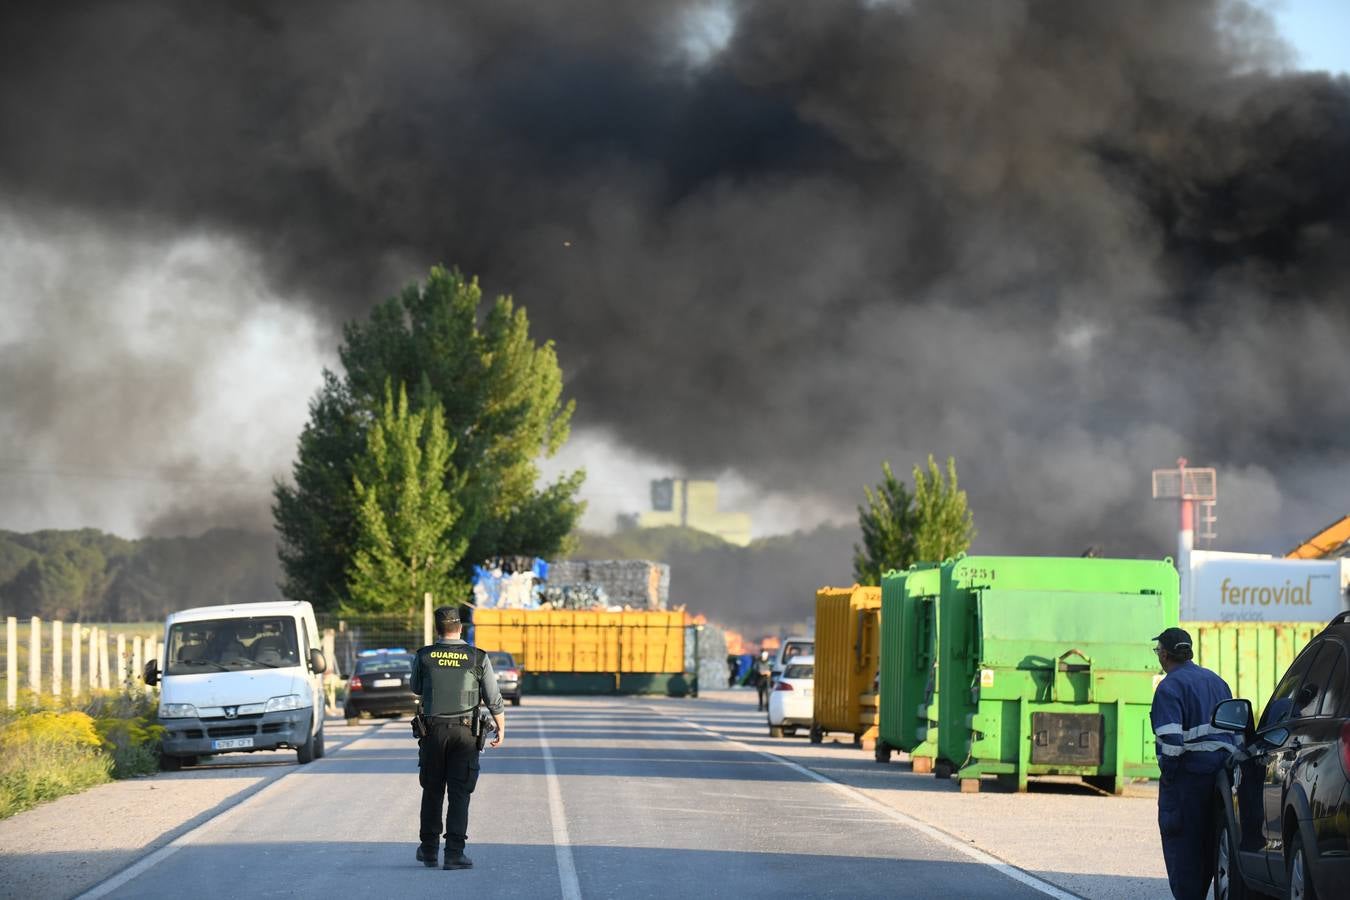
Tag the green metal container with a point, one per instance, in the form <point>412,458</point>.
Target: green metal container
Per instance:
<point>1047,667</point>
<point>1250,656</point>
<point>908,704</point>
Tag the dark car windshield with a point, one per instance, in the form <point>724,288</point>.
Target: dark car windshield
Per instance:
<point>399,663</point>
<point>501,660</point>
<point>230,645</point>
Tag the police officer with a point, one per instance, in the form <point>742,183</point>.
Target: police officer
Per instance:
<point>1190,752</point>
<point>452,678</point>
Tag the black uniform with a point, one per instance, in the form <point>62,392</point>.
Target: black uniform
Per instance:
<point>452,677</point>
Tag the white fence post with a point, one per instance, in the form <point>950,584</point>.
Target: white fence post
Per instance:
<point>58,646</point>
<point>93,659</point>
<point>11,661</point>
<point>35,655</point>
<point>76,674</point>
<point>428,631</point>
<point>121,661</point>
<point>137,662</point>
<point>104,677</point>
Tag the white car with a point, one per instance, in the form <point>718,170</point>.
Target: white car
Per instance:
<point>792,700</point>
<point>791,648</point>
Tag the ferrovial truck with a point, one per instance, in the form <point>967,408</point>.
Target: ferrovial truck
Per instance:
<point>240,678</point>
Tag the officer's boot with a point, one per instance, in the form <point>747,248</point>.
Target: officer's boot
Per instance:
<point>455,859</point>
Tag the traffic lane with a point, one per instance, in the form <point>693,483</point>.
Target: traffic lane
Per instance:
<point>1087,842</point>
<point>41,855</point>
<point>659,815</point>
<point>347,825</point>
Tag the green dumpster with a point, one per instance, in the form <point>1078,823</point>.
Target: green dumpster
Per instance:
<point>1047,667</point>
<point>908,713</point>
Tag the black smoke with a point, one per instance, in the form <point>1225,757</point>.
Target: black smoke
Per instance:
<point>1063,241</point>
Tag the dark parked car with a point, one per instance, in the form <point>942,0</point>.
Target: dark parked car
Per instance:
<point>508,675</point>
<point>1284,825</point>
<point>379,686</point>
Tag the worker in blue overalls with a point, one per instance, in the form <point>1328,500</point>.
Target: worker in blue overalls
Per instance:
<point>1190,752</point>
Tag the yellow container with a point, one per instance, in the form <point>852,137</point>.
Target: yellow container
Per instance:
<point>1250,656</point>
<point>555,640</point>
<point>848,652</point>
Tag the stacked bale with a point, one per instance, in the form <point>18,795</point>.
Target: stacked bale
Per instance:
<point>638,583</point>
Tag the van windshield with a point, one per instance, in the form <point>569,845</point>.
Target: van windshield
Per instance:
<point>797,648</point>
<point>231,645</point>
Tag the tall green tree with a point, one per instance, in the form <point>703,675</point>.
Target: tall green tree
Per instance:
<point>944,525</point>
<point>900,527</point>
<point>406,540</point>
<point>501,393</point>
<point>888,529</point>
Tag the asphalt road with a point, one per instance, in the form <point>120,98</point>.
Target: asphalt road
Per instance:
<point>589,797</point>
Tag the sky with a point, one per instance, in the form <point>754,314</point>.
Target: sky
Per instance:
<point>157,359</point>
<point>1318,31</point>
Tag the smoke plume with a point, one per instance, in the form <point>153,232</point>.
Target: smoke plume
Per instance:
<point>1062,241</point>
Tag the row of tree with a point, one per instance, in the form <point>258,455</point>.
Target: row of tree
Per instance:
<point>90,576</point>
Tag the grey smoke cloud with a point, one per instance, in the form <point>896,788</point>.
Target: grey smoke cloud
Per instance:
<point>1062,241</point>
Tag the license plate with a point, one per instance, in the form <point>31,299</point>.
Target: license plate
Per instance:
<point>385,682</point>
<point>232,744</point>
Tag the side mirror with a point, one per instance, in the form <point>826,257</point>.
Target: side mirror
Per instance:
<point>317,663</point>
<point>151,673</point>
<point>1233,715</point>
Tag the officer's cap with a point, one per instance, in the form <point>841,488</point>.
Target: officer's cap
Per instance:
<point>446,617</point>
<point>1174,639</point>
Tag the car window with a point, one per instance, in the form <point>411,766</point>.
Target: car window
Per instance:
<point>1334,681</point>
<point>502,661</point>
<point>1309,695</point>
<point>1282,702</point>
<point>800,672</point>
<point>796,648</point>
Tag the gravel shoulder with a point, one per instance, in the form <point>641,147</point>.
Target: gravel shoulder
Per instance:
<point>63,848</point>
<point>1079,839</point>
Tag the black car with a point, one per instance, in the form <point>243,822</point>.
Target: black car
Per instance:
<point>380,685</point>
<point>508,675</point>
<point>1284,824</point>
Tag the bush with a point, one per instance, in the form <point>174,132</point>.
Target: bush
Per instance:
<point>126,724</point>
<point>45,755</point>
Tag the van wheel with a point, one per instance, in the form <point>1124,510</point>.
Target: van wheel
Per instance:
<point>515,701</point>
<point>318,744</point>
<point>817,734</point>
<point>305,752</point>
<point>775,731</point>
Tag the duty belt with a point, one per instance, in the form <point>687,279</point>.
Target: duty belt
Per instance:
<point>453,719</point>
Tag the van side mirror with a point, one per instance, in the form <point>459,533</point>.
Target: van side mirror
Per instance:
<point>1233,715</point>
<point>317,663</point>
<point>151,673</point>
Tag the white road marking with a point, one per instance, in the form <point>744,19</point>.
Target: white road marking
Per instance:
<point>918,825</point>
<point>562,844</point>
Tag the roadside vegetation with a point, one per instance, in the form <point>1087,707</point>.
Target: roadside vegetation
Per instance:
<point>48,751</point>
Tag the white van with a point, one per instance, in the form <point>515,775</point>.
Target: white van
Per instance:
<point>240,678</point>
